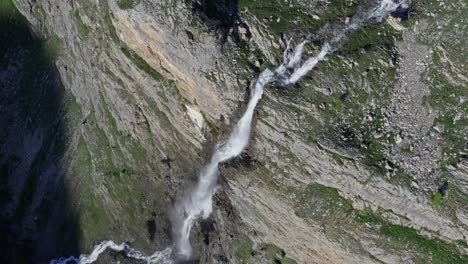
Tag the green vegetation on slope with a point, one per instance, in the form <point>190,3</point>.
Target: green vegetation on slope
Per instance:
<point>247,253</point>
<point>371,37</point>
<point>54,46</point>
<point>354,111</point>
<point>82,27</point>
<point>437,198</point>
<point>244,252</point>
<point>446,34</point>
<point>330,203</point>
<point>93,217</point>
<point>275,254</point>
<point>140,63</point>
<point>429,250</point>
<point>281,16</point>
<point>137,60</point>
<point>448,97</point>
<point>127,4</point>
<point>325,205</point>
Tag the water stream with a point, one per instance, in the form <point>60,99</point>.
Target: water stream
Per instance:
<point>198,202</point>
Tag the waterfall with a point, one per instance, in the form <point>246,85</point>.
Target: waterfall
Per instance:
<point>198,202</point>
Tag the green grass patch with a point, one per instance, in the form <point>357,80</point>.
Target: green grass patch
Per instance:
<point>438,251</point>
<point>92,217</point>
<point>370,37</point>
<point>54,45</point>
<point>275,254</point>
<point>127,4</point>
<point>245,252</point>
<point>429,250</point>
<point>369,217</point>
<point>320,202</point>
<point>338,9</point>
<point>93,220</point>
<point>279,15</point>
<point>82,159</point>
<point>102,149</point>
<point>141,63</point>
<point>108,21</point>
<point>437,198</point>
<point>282,16</point>
<point>82,27</point>
<point>214,128</point>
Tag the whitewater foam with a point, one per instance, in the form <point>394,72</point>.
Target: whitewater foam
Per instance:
<point>159,257</point>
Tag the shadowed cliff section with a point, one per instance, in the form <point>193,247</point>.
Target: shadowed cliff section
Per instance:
<point>37,218</point>
<point>221,17</point>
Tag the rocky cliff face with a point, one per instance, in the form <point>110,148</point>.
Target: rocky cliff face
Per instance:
<point>110,108</point>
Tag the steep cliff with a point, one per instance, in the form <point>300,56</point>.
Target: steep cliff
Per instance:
<point>111,107</point>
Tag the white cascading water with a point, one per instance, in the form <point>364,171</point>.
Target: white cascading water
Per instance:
<point>159,257</point>
<point>199,201</point>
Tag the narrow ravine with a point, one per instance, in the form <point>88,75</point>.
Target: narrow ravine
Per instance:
<point>198,202</point>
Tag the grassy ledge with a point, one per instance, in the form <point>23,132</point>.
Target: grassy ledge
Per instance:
<point>127,4</point>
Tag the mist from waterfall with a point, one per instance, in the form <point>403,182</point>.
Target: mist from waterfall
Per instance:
<point>198,202</point>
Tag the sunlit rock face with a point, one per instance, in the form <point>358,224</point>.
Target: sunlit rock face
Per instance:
<point>114,107</point>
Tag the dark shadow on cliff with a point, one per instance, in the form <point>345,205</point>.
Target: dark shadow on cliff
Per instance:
<point>37,219</point>
<point>220,16</point>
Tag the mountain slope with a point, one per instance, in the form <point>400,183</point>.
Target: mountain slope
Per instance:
<point>349,165</point>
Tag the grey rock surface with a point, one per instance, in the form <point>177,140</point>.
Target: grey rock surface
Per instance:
<point>148,90</point>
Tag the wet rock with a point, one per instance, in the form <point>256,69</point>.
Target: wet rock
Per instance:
<point>151,226</point>
<point>403,12</point>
